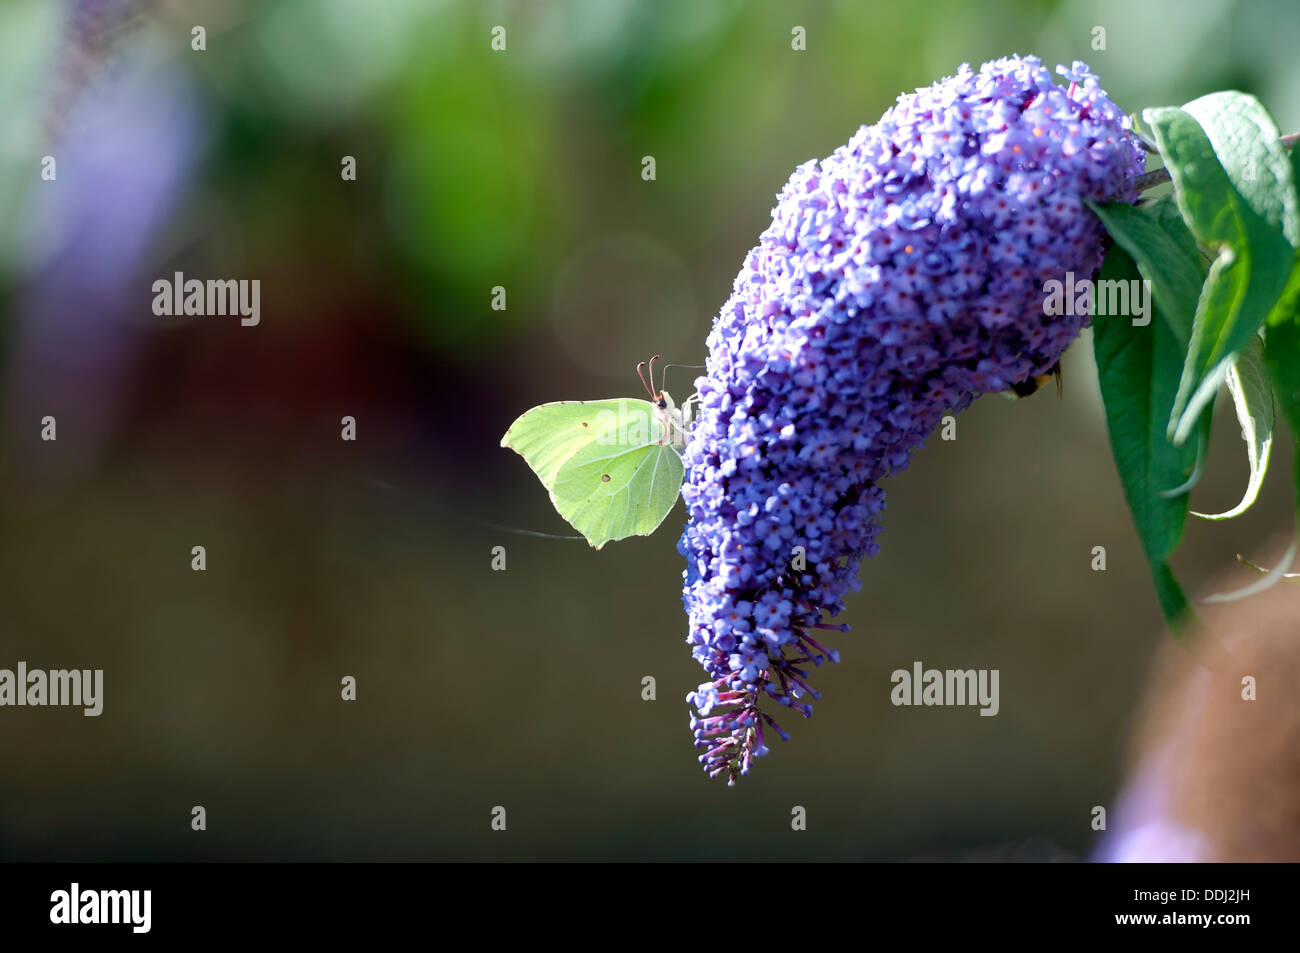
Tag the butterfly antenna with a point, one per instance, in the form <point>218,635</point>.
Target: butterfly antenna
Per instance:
<point>654,395</point>
<point>640,372</point>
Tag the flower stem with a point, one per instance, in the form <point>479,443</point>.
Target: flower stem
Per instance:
<point>1149,180</point>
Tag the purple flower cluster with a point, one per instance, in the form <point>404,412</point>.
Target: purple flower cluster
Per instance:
<point>901,277</point>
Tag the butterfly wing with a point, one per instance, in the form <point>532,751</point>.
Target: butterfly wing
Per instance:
<point>549,435</point>
<point>622,484</point>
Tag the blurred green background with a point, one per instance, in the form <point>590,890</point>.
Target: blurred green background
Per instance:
<point>522,688</point>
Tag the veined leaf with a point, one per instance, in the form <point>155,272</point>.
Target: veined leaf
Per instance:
<point>1156,237</point>
<point>1282,359</point>
<point>1138,369</point>
<point>1282,341</point>
<point>1282,349</point>
<point>1238,219</point>
<point>1252,397</point>
<point>1246,142</point>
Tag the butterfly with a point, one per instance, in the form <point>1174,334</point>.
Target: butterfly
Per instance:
<point>613,468</point>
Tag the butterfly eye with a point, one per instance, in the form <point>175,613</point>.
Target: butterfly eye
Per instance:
<point>662,404</point>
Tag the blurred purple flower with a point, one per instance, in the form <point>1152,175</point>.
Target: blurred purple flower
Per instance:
<point>125,147</point>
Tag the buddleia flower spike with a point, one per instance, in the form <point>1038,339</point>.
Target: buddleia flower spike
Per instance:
<point>901,277</point>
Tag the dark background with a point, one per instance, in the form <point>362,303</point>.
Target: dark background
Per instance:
<point>372,559</point>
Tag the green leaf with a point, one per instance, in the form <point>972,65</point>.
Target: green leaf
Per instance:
<point>1282,359</point>
<point>1282,341</point>
<point>1138,369</point>
<point>1252,397</point>
<point>1237,217</point>
<point>1156,237</point>
<point>1282,350</point>
<point>1246,142</point>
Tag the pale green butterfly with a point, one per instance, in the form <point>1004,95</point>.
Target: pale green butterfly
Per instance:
<point>613,467</point>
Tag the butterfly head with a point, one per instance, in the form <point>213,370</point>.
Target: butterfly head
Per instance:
<point>676,420</point>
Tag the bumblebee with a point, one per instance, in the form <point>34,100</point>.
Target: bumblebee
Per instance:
<point>1030,385</point>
